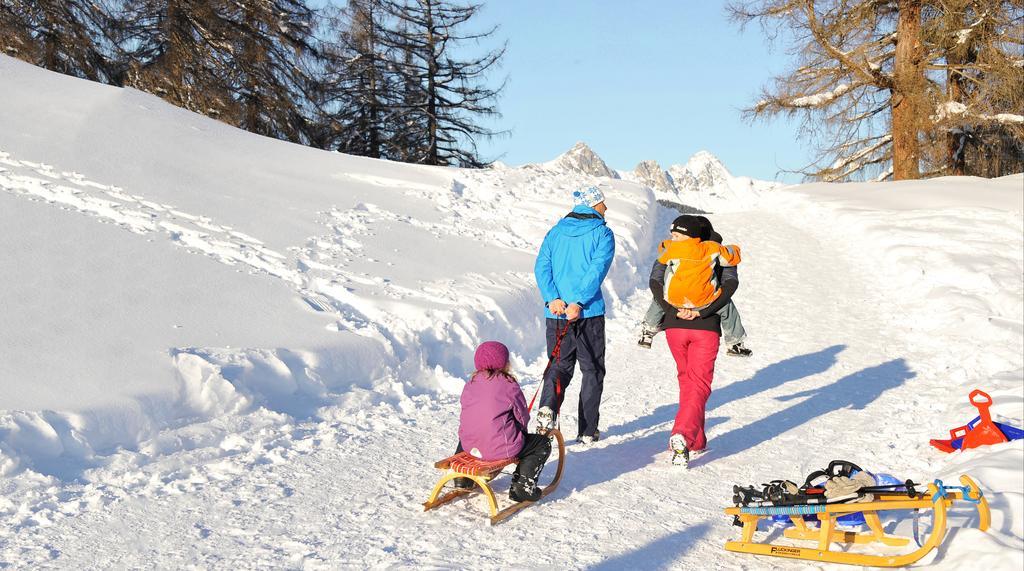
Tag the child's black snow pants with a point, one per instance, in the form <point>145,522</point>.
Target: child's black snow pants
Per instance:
<point>535,452</point>
<point>533,456</point>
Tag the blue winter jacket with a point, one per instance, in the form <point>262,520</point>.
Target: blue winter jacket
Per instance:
<point>574,259</point>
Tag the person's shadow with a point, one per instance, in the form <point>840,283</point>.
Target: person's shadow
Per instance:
<point>856,390</point>
<point>774,375</point>
<point>657,554</point>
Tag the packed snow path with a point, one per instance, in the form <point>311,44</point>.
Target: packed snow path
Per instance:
<point>832,377</point>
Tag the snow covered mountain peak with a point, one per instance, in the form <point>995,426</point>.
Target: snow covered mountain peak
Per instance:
<point>705,165</point>
<point>581,158</point>
<point>650,173</point>
<point>702,171</point>
<point>703,182</point>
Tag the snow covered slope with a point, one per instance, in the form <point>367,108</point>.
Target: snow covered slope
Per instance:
<point>222,351</point>
<point>944,259</point>
<point>191,269</point>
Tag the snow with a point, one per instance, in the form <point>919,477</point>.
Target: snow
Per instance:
<point>317,271</point>
<point>1004,118</point>
<point>955,108</point>
<point>819,99</point>
<point>706,184</point>
<point>225,351</point>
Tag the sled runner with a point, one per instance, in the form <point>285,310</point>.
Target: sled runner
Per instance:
<point>937,499</point>
<point>463,465</point>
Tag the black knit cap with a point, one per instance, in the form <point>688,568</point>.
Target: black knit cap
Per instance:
<point>687,225</point>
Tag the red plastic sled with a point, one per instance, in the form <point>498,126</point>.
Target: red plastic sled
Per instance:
<point>981,431</point>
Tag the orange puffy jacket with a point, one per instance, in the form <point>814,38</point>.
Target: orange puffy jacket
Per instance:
<point>690,275</point>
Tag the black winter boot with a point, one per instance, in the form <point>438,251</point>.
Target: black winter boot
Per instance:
<point>646,337</point>
<point>523,489</point>
<point>463,483</point>
<point>739,350</point>
<point>535,453</point>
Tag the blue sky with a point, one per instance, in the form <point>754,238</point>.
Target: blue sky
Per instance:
<point>636,80</point>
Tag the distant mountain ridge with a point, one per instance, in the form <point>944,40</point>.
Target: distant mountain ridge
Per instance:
<point>702,182</point>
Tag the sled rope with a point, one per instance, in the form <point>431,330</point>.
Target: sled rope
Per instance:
<point>552,358</point>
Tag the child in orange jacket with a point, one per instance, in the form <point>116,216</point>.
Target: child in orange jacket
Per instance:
<point>690,267</point>
<point>690,279</point>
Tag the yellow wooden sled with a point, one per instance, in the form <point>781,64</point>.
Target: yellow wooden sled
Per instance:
<point>481,473</point>
<point>937,499</point>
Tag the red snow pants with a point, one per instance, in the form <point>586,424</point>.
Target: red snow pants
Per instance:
<point>695,353</point>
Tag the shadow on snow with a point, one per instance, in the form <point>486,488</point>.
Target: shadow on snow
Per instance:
<point>658,554</point>
<point>856,390</point>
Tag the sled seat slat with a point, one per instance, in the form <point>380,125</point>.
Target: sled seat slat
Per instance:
<point>466,463</point>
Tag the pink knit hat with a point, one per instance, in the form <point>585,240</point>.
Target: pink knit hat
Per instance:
<point>491,355</point>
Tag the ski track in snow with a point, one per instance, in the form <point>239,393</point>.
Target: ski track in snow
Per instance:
<point>832,377</point>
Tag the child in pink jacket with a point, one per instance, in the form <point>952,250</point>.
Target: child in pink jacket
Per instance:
<point>493,422</point>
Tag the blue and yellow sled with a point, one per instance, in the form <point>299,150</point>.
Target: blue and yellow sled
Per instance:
<point>938,499</point>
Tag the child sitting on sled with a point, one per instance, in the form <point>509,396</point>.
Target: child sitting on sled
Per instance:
<point>690,278</point>
<point>493,422</point>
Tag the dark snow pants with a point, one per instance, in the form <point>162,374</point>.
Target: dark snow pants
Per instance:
<point>583,343</point>
<point>533,456</point>
<point>535,452</point>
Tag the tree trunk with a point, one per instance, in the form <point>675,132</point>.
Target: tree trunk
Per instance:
<point>252,59</point>
<point>909,88</point>
<point>374,112</point>
<point>432,152</point>
<point>957,56</point>
<point>173,72</point>
<point>956,139</point>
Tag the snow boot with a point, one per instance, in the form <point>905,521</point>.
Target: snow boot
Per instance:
<point>646,337</point>
<point>680,453</point>
<point>587,440</point>
<point>523,489</point>
<point>524,479</point>
<point>545,419</point>
<point>738,350</point>
<point>463,483</point>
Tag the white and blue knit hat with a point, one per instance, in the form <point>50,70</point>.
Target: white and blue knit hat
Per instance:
<point>588,196</point>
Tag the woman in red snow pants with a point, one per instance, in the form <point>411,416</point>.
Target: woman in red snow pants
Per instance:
<point>695,352</point>
<point>692,337</point>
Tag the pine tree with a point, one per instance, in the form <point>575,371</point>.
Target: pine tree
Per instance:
<point>244,63</point>
<point>878,82</point>
<point>845,86</point>
<point>272,75</point>
<point>176,51</point>
<point>66,36</point>
<point>443,97</point>
<point>389,85</point>
<point>360,84</point>
<point>979,49</point>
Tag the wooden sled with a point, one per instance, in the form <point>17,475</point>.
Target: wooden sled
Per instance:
<point>463,465</point>
<point>827,533</point>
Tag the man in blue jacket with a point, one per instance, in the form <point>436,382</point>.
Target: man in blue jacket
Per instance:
<point>573,261</point>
